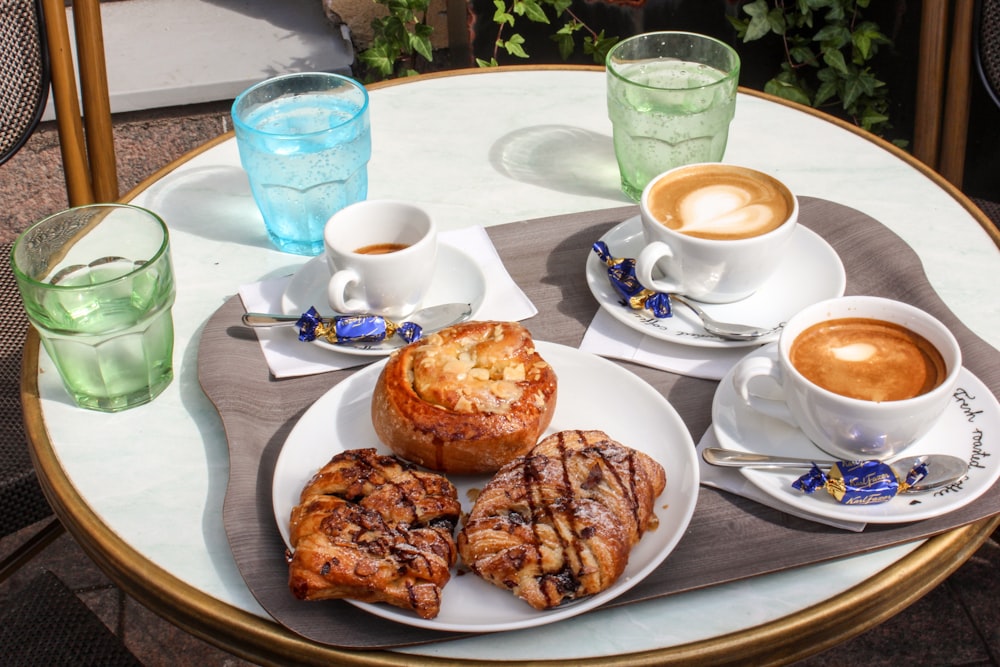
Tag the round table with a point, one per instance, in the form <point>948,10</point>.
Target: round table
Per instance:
<point>142,490</point>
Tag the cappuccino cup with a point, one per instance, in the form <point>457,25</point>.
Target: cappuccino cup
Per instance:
<point>862,377</point>
<point>381,255</point>
<point>714,232</point>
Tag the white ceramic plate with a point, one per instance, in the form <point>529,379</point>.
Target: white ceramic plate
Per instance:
<point>593,394</point>
<point>810,271</point>
<point>457,278</point>
<point>969,429</point>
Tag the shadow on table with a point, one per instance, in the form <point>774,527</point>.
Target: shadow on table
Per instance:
<point>560,157</point>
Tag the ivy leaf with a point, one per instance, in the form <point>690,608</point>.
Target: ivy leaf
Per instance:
<point>833,35</point>
<point>492,62</point>
<point>802,54</point>
<point>835,59</point>
<point>759,24</point>
<point>514,46</point>
<point>501,15</point>
<point>598,47</point>
<point>564,40</point>
<point>379,59</point>
<point>787,90</point>
<point>826,91</point>
<point>420,41</point>
<point>533,11</point>
<point>872,119</point>
<point>559,6</point>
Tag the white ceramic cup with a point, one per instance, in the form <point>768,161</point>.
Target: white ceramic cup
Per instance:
<point>391,284</point>
<point>711,270</point>
<point>850,428</point>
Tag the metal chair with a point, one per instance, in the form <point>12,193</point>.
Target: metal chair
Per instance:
<point>35,50</point>
<point>24,74</point>
<point>986,46</point>
<point>46,624</point>
<point>957,37</point>
<point>24,88</point>
<point>88,158</point>
<point>986,55</point>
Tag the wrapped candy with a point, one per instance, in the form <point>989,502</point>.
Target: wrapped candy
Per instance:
<point>860,482</point>
<point>621,273</point>
<point>353,328</point>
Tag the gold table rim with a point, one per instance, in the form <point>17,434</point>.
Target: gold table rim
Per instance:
<point>264,641</point>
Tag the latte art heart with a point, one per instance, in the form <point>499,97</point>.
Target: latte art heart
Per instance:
<point>718,201</point>
<point>724,210</point>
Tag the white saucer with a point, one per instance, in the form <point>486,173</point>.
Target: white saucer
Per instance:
<point>594,393</point>
<point>457,278</point>
<point>810,271</point>
<point>968,429</point>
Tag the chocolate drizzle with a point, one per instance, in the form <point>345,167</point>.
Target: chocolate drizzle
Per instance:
<point>558,523</point>
<point>376,529</point>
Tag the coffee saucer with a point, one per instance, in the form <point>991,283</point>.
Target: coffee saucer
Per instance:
<point>809,271</point>
<point>967,430</point>
<point>457,278</point>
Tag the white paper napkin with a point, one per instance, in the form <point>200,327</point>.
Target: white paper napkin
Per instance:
<point>731,480</point>
<point>287,356</point>
<point>608,337</point>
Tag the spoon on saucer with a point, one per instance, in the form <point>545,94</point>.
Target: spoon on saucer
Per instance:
<point>727,330</point>
<point>942,469</point>
<point>430,319</point>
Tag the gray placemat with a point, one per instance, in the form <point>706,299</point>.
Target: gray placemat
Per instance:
<point>547,258</point>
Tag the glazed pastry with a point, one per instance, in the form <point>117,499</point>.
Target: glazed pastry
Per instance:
<point>375,529</point>
<point>466,399</point>
<point>559,523</point>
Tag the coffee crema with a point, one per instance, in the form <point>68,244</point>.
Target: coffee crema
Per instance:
<point>721,202</point>
<point>381,248</point>
<point>868,359</point>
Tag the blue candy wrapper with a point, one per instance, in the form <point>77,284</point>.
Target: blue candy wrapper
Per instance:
<point>354,328</point>
<point>621,274</point>
<point>860,482</point>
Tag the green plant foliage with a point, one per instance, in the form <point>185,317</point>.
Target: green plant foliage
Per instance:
<point>508,13</point>
<point>828,49</point>
<point>401,41</point>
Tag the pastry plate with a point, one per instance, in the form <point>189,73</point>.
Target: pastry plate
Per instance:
<point>594,393</point>
<point>967,429</point>
<point>457,278</point>
<point>809,271</point>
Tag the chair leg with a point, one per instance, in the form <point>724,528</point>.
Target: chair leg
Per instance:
<point>44,537</point>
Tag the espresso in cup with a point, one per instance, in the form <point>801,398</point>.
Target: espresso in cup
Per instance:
<point>714,232</point>
<point>381,248</point>
<point>867,359</point>
<point>721,202</point>
<point>381,255</point>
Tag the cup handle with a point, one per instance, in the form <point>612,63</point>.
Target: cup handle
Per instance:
<point>646,262</point>
<point>755,367</point>
<point>337,288</point>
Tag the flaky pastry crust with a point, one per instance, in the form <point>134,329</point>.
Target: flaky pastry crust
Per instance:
<point>559,523</point>
<point>466,399</point>
<point>375,529</point>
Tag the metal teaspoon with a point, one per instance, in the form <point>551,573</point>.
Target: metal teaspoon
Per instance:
<point>942,469</point>
<point>727,330</point>
<point>430,319</point>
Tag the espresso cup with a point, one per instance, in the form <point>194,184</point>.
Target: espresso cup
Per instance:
<point>381,256</point>
<point>714,232</point>
<point>862,377</point>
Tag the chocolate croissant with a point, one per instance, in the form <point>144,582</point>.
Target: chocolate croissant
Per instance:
<point>373,528</point>
<point>558,523</point>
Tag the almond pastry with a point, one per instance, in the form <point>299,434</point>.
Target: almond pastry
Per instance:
<point>559,523</point>
<point>373,528</point>
<point>466,399</point>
